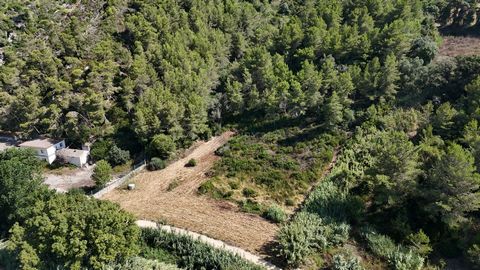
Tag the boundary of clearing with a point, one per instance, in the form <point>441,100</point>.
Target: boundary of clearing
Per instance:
<point>119,181</point>
<point>209,241</point>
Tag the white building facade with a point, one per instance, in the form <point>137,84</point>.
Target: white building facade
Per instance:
<point>45,148</point>
<point>73,156</point>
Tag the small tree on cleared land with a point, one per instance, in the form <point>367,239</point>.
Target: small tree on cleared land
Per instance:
<point>162,146</point>
<point>102,173</point>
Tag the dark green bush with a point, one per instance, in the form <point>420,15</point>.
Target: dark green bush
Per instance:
<point>100,150</point>
<point>117,156</point>
<point>192,254</point>
<point>249,192</point>
<point>191,163</point>
<point>251,206</point>
<point>234,185</point>
<point>473,256</point>
<point>156,164</point>
<point>206,187</point>
<point>162,146</point>
<point>289,202</point>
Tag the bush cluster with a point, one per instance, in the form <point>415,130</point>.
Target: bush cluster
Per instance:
<point>156,164</point>
<point>398,257</point>
<point>346,262</point>
<point>109,151</point>
<point>308,233</point>
<point>192,254</point>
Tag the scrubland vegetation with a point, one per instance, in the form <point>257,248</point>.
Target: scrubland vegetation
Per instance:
<point>296,79</point>
<point>276,167</point>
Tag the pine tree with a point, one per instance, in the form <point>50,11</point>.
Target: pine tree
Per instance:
<point>451,189</point>
<point>333,111</point>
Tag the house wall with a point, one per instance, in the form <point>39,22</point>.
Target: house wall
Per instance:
<point>46,152</point>
<point>77,161</point>
<point>48,159</point>
<point>60,145</point>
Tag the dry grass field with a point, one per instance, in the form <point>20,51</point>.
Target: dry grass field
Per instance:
<point>170,195</point>
<point>460,45</point>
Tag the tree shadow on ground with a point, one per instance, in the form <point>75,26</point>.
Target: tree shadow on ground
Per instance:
<point>272,250</point>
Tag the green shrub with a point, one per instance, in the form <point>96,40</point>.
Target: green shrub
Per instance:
<point>156,164</point>
<point>117,156</point>
<point>191,163</point>
<point>76,191</point>
<point>206,187</point>
<point>162,146</point>
<point>275,213</point>
<point>344,262</point>
<point>289,202</point>
<point>7,259</point>
<point>473,256</point>
<point>406,259</point>
<point>328,201</point>
<point>100,150</point>
<point>338,233</point>
<point>249,192</point>
<point>300,238</point>
<point>233,185</point>
<point>102,173</point>
<point>139,263</point>
<point>399,257</point>
<point>193,254</point>
<point>251,206</point>
<point>175,183</point>
<point>420,242</point>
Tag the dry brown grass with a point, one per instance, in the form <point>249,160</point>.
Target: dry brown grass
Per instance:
<point>460,45</point>
<point>182,207</point>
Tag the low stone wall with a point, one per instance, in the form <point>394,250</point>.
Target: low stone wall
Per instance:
<point>113,185</point>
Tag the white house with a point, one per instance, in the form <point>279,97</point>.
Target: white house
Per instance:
<point>45,148</point>
<point>74,156</point>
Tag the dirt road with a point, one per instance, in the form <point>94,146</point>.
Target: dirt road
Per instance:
<point>170,195</point>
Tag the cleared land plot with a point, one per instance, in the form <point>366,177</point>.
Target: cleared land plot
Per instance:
<point>171,195</point>
<point>460,45</point>
<point>66,178</point>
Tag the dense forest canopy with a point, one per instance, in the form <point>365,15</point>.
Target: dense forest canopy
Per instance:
<point>87,69</point>
<point>161,74</point>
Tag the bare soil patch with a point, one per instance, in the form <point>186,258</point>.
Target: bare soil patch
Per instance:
<point>181,207</point>
<point>460,45</point>
<point>66,178</point>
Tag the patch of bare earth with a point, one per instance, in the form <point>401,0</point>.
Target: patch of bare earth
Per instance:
<point>66,179</point>
<point>460,45</point>
<point>181,207</point>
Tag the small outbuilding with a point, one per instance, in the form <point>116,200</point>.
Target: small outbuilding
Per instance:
<point>76,157</point>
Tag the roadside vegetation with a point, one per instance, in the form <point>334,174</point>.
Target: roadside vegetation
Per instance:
<point>189,253</point>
